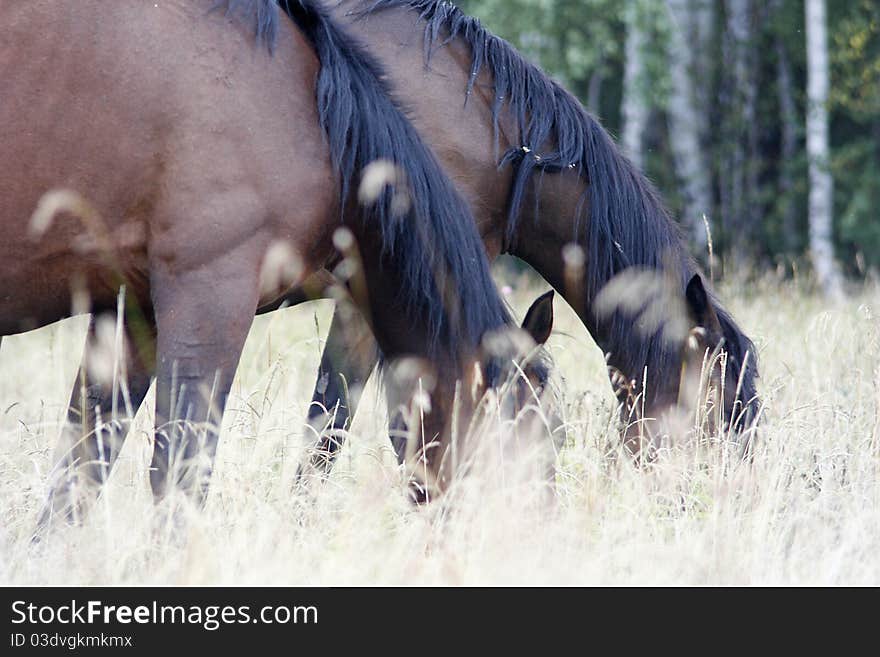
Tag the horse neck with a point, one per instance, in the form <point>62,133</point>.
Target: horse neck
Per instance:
<point>547,218</point>
<point>545,237</point>
<point>543,232</point>
<point>463,140</point>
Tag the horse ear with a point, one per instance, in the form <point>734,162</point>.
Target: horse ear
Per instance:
<point>700,308</point>
<point>539,319</point>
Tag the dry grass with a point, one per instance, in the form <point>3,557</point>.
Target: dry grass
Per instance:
<point>807,510</point>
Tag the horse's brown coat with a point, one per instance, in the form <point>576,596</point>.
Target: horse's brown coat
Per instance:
<point>464,137</point>
<point>194,149</point>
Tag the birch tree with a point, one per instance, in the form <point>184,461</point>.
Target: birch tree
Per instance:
<point>737,180</point>
<point>821,184</point>
<point>686,118</point>
<point>634,109</point>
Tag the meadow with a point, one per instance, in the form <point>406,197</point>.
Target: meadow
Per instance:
<point>805,510</point>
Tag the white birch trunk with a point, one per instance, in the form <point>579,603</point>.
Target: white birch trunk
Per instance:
<point>634,110</point>
<point>821,184</point>
<point>686,118</point>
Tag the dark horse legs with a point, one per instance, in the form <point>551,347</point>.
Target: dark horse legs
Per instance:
<point>193,377</point>
<point>88,450</point>
<point>350,354</point>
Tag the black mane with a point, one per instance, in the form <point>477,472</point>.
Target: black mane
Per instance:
<point>621,221</point>
<point>435,245</point>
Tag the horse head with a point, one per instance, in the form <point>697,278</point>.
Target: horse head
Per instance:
<point>506,387</point>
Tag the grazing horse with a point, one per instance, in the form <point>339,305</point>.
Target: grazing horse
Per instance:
<point>549,186</point>
<point>170,148</point>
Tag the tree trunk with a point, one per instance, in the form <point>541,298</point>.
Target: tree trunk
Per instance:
<point>702,37</point>
<point>634,110</point>
<point>686,117</point>
<point>788,147</point>
<point>821,184</point>
<point>594,91</point>
<point>738,180</point>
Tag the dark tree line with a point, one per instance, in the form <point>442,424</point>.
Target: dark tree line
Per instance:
<point>762,115</point>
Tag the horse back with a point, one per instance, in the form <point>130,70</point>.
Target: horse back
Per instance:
<point>178,133</point>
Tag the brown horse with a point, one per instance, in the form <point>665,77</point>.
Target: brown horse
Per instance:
<point>184,145</point>
<point>549,186</point>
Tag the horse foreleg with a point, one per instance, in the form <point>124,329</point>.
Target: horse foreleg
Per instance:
<point>202,318</point>
<point>350,354</point>
<point>98,419</point>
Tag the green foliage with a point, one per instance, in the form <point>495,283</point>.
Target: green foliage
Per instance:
<point>581,43</point>
<point>857,178</point>
<point>573,40</point>
<point>855,56</point>
<point>855,103</point>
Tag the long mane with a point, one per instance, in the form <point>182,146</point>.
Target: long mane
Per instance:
<point>621,221</point>
<point>434,243</point>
